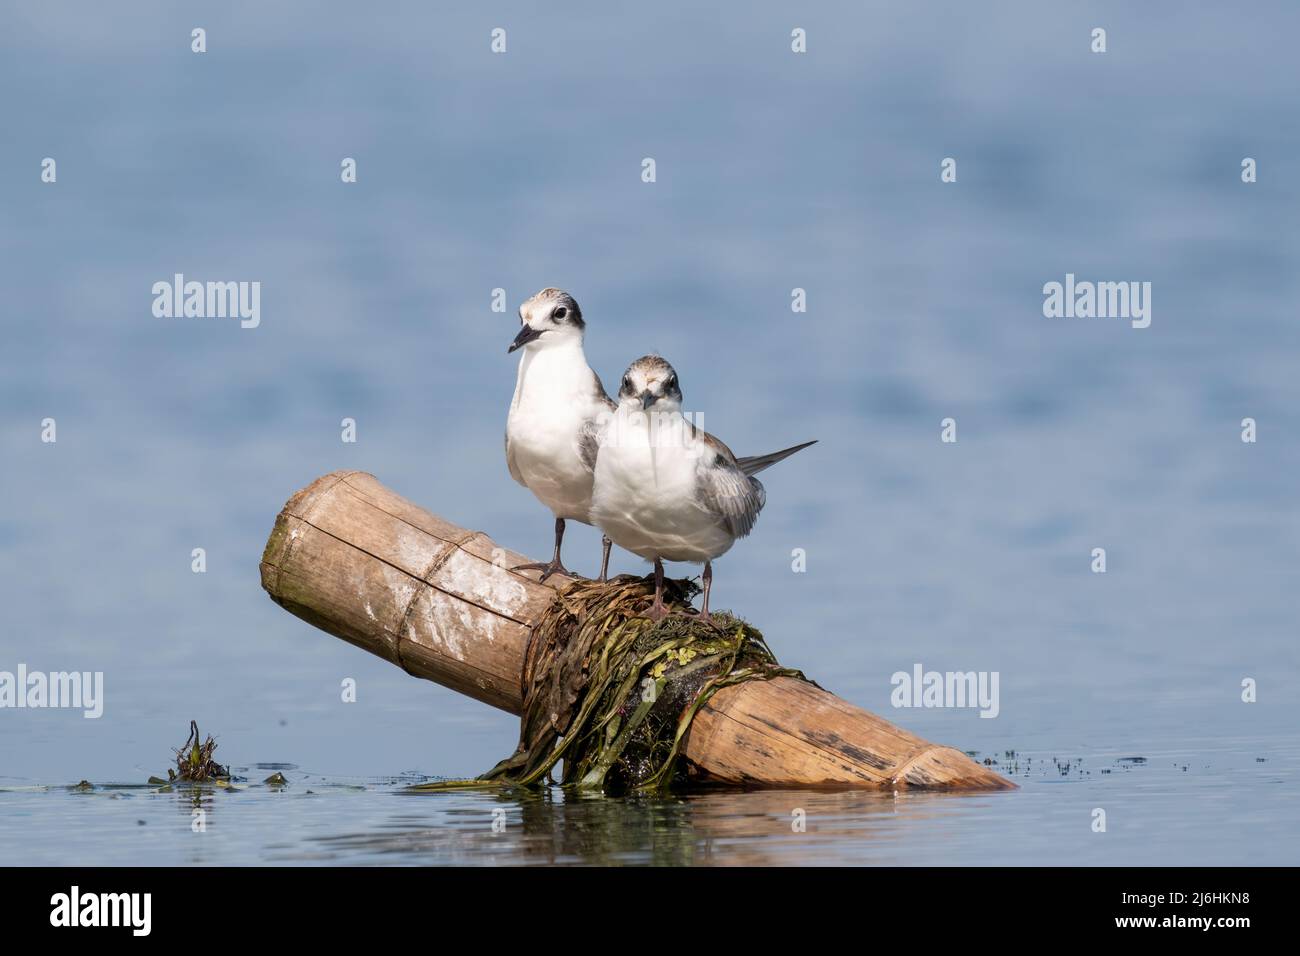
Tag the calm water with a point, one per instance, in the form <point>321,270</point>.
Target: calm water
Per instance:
<point>775,171</point>
<point>1224,799</point>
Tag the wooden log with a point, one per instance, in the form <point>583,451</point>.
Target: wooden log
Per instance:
<point>362,563</point>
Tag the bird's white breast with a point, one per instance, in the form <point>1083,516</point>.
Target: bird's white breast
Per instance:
<point>644,496</point>
<point>554,397</point>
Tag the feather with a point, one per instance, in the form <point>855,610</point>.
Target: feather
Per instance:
<point>725,491</point>
<point>753,464</point>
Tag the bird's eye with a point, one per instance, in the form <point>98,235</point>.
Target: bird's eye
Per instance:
<point>627,384</point>
<point>561,312</point>
<point>672,383</point>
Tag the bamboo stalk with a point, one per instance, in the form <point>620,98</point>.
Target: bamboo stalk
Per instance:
<point>362,563</point>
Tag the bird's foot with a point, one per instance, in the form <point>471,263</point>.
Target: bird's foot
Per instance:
<point>661,611</point>
<point>704,617</point>
<point>547,569</point>
<point>657,611</point>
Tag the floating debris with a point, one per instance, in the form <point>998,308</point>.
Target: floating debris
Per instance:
<point>194,760</point>
<point>276,779</point>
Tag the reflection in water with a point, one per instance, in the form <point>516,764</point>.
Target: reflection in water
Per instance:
<point>1155,804</point>
<point>718,827</point>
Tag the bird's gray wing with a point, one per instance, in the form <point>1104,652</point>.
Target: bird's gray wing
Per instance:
<point>725,491</point>
<point>589,443</point>
<point>510,461</point>
<point>753,464</point>
<point>602,396</point>
<point>589,432</point>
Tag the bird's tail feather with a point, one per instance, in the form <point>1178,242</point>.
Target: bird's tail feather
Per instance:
<point>755,463</point>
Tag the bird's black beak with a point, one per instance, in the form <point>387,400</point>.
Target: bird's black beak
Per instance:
<point>526,334</point>
<point>647,400</point>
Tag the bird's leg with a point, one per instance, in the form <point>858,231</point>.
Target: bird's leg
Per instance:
<point>605,544</point>
<point>554,566</point>
<point>657,611</point>
<point>708,583</point>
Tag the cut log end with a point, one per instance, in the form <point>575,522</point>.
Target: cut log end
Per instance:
<point>360,562</point>
<point>785,732</point>
<point>944,768</point>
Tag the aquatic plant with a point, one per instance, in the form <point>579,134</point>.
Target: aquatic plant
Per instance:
<point>194,760</point>
<point>613,694</point>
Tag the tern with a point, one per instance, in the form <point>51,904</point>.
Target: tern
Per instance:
<point>554,417</point>
<point>669,491</point>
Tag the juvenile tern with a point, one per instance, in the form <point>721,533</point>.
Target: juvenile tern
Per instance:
<point>667,490</point>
